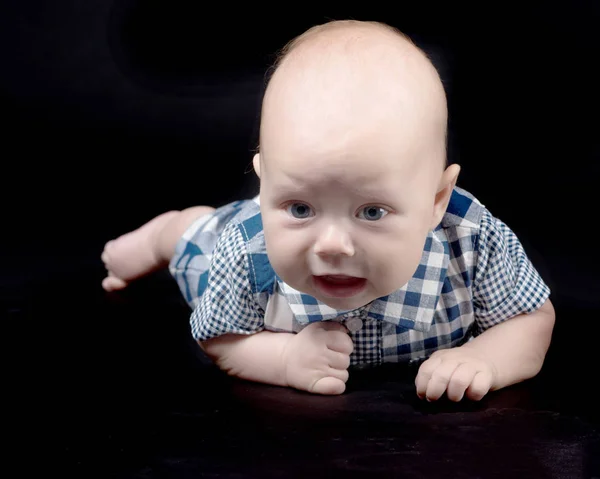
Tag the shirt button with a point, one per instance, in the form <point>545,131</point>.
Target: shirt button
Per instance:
<point>354,324</point>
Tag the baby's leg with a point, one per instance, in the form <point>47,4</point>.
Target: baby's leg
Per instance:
<point>148,248</point>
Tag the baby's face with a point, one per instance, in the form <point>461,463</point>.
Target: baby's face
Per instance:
<point>352,148</point>
<point>345,220</point>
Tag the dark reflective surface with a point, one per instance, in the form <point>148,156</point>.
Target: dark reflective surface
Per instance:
<point>114,385</point>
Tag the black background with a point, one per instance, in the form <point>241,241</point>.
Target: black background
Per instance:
<point>115,111</point>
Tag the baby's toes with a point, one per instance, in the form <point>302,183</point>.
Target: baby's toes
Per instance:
<point>112,283</point>
<point>106,253</point>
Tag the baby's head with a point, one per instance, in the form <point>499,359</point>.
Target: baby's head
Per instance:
<point>352,162</point>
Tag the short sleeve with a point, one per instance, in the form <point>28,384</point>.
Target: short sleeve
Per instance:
<point>228,305</point>
<point>506,283</point>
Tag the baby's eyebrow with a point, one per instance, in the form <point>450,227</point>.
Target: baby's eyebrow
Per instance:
<point>374,196</point>
<point>291,188</point>
<point>368,191</point>
<point>294,183</point>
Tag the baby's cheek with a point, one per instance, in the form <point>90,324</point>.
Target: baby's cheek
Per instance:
<point>397,263</point>
<point>283,253</point>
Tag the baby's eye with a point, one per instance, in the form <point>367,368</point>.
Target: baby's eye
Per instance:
<point>372,213</point>
<point>299,210</point>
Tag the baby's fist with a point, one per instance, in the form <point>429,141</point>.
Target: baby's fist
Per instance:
<point>317,358</point>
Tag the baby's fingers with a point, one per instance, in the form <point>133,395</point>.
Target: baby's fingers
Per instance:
<point>328,386</point>
<point>439,379</point>
<point>480,386</point>
<point>461,379</point>
<point>424,375</point>
<point>340,361</point>
<point>339,341</point>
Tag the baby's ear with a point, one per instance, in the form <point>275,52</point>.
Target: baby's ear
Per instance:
<point>256,164</point>
<point>444,192</point>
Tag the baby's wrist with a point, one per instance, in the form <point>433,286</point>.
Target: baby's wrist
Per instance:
<point>286,359</point>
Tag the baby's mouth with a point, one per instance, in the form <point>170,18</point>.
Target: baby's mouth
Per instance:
<point>339,286</point>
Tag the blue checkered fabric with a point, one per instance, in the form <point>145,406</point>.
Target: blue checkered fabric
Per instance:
<point>473,274</point>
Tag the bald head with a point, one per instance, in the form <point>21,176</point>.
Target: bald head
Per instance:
<point>349,81</point>
<point>354,118</point>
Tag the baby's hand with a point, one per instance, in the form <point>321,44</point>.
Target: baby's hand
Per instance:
<point>317,358</point>
<point>458,372</point>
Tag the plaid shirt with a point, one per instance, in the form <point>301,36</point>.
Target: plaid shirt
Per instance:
<point>473,274</point>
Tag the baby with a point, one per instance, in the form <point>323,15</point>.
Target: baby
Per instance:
<point>360,249</point>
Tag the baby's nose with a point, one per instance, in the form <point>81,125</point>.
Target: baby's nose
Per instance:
<point>333,240</point>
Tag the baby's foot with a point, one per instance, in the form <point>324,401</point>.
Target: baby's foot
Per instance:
<point>134,254</point>
<point>112,283</point>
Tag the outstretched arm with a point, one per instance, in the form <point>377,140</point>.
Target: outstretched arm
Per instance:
<point>505,354</point>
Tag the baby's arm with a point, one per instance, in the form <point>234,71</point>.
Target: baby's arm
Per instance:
<point>505,354</point>
<point>228,322</point>
<point>315,360</point>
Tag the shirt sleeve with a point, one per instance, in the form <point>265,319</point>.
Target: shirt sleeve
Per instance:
<point>228,305</point>
<point>506,283</point>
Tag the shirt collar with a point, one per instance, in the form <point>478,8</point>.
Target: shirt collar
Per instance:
<point>411,306</point>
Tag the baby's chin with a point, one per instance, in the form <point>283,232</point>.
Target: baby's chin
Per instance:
<point>365,297</point>
<point>346,304</point>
